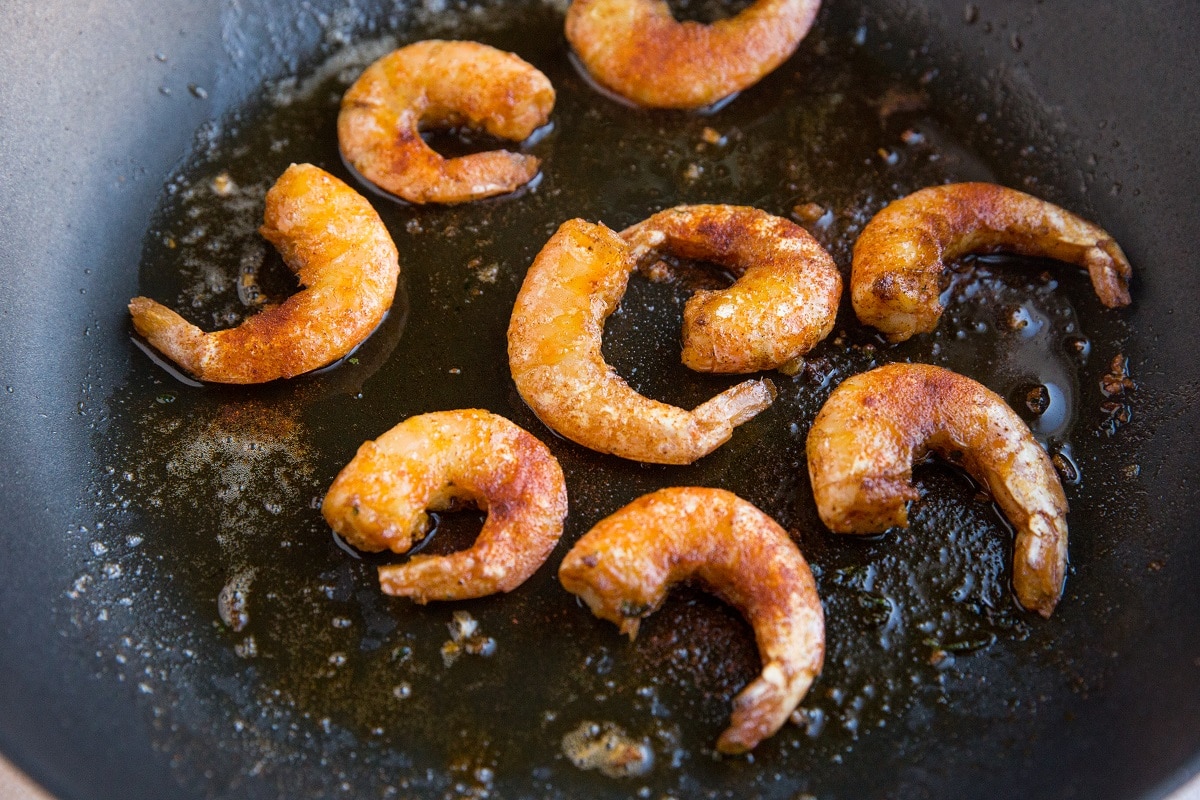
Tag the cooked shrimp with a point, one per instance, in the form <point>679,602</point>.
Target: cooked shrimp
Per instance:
<point>431,462</point>
<point>333,240</point>
<point>900,257</point>
<point>783,302</point>
<point>637,49</point>
<point>864,441</point>
<point>554,337</point>
<point>624,566</point>
<point>443,84</point>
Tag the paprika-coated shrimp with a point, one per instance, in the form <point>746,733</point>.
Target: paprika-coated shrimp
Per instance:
<point>431,462</point>
<point>637,49</point>
<point>441,84</point>
<point>900,256</point>
<point>624,566</point>
<point>347,264</point>
<point>783,302</point>
<point>554,339</point>
<point>864,441</point>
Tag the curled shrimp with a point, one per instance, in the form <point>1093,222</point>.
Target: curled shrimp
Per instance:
<point>637,49</point>
<point>900,257</point>
<point>432,462</point>
<point>864,441</point>
<point>624,566</point>
<point>442,84</point>
<point>783,302</point>
<point>554,339</point>
<point>333,240</point>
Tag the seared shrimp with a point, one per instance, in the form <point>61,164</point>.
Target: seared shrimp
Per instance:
<point>333,240</point>
<point>637,49</point>
<point>783,302</point>
<point>876,424</point>
<point>624,566</point>
<point>431,462</point>
<point>443,84</point>
<point>901,255</point>
<point>554,337</point>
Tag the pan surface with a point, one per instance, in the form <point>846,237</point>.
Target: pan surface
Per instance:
<point>138,501</point>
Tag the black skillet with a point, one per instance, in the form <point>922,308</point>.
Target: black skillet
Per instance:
<point>133,498</point>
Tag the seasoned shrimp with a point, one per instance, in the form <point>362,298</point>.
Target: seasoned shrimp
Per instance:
<point>333,240</point>
<point>900,257</point>
<point>554,338</point>
<point>637,49</point>
<point>783,302</point>
<point>431,462</point>
<point>624,566</point>
<point>876,424</point>
<point>442,84</point>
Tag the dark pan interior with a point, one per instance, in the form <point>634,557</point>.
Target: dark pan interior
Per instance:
<point>134,498</point>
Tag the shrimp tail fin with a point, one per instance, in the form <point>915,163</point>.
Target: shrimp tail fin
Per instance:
<point>762,708</point>
<point>169,333</point>
<point>629,627</point>
<point>1040,563</point>
<point>737,404</point>
<point>1110,273</point>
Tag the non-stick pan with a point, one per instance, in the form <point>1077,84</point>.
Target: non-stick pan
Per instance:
<point>179,622</point>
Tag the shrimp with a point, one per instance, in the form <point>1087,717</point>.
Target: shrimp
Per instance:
<point>864,441</point>
<point>554,338</point>
<point>333,240</point>
<point>637,49</point>
<point>443,84</point>
<point>431,462</point>
<point>783,302</point>
<point>623,567</point>
<point>900,257</point>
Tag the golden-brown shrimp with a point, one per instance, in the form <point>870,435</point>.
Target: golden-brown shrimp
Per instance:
<point>431,462</point>
<point>442,84</point>
<point>624,566</point>
<point>554,338</point>
<point>876,424</point>
<point>333,240</point>
<point>637,49</point>
<point>783,302</point>
<point>900,257</point>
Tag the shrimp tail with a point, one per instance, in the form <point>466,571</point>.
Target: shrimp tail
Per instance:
<point>425,578</point>
<point>737,404</point>
<point>1110,273</point>
<point>756,708</point>
<point>170,334</point>
<point>1039,574</point>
